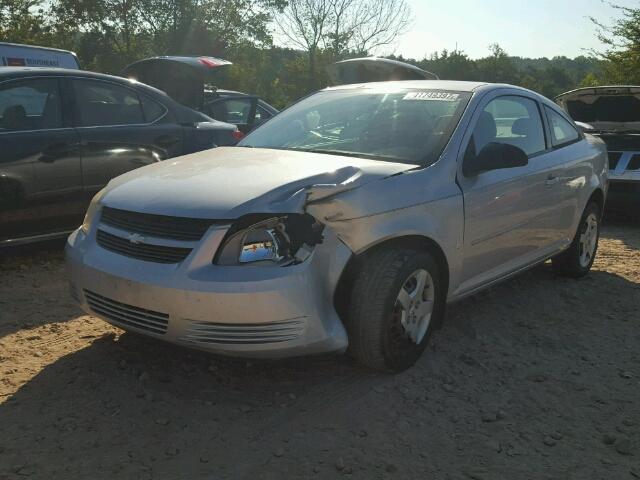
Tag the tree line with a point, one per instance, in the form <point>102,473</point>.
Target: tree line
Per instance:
<point>109,34</point>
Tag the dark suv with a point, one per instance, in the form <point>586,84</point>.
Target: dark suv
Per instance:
<point>65,133</point>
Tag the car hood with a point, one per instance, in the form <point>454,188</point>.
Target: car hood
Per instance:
<point>613,109</point>
<point>229,182</point>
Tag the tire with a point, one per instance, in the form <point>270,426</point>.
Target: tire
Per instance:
<point>377,336</point>
<point>576,261</point>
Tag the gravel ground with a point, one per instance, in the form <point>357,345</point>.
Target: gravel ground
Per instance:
<point>537,378</point>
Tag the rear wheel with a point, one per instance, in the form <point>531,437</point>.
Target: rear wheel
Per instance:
<point>396,302</point>
<point>578,259</point>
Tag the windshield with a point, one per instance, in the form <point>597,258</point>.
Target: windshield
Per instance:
<point>403,125</point>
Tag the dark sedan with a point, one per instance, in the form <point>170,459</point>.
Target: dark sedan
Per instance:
<point>65,133</point>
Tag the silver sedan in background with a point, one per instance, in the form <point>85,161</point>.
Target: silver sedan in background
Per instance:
<point>348,221</point>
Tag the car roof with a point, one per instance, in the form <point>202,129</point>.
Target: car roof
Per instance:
<point>37,47</point>
<point>7,73</point>
<point>37,71</point>
<point>456,85</point>
<point>451,85</point>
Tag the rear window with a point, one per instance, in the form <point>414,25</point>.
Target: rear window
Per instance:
<point>400,125</point>
<point>152,110</point>
<point>562,132</point>
<point>106,104</point>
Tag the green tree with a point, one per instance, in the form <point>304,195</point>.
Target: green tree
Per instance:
<point>338,28</point>
<point>590,80</point>
<point>622,47</point>
<point>497,67</point>
<point>109,34</point>
<point>450,65</point>
<point>23,21</point>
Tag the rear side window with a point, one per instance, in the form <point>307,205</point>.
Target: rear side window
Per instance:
<point>262,114</point>
<point>562,132</point>
<point>513,120</point>
<point>103,104</point>
<point>30,105</point>
<point>152,110</point>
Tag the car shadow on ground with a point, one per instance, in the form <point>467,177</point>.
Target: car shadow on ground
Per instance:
<point>130,407</point>
<point>620,226</point>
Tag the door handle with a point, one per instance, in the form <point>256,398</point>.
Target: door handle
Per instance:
<point>551,180</point>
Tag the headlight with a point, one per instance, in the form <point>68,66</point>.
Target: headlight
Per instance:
<point>261,244</point>
<point>282,241</point>
<point>91,211</point>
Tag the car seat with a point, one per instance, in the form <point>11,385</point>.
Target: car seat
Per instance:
<point>485,132</point>
<point>527,141</point>
<point>51,113</point>
<point>14,117</point>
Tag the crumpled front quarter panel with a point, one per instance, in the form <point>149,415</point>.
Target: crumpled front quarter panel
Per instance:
<point>416,203</point>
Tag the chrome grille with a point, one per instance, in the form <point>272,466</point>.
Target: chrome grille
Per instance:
<point>176,228</point>
<point>245,333</point>
<point>141,251</point>
<point>127,315</point>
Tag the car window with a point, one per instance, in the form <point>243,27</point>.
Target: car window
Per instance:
<point>101,104</point>
<point>562,132</point>
<point>152,109</point>
<point>30,105</point>
<point>394,124</point>
<point>233,110</point>
<point>262,114</point>
<point>513,120</point>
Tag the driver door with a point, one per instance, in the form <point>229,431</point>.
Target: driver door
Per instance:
<point>507,211</point>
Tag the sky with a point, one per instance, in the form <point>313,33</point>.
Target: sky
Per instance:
<point>540,28</point>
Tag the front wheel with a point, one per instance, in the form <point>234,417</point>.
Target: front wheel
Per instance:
<point>397,300</point>
<point>578,259</point>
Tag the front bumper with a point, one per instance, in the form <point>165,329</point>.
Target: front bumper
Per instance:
<point>244,311</point>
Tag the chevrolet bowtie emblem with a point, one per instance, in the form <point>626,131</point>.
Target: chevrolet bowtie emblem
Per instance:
<point>136,238</point>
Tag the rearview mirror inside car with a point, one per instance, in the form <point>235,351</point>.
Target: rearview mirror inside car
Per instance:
<point>494,156</point>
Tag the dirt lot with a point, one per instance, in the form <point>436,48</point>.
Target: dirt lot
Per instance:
<point>538,378</point>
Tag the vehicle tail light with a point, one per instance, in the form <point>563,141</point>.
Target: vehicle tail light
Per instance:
<point>237,134</point>
<point>208,62</point>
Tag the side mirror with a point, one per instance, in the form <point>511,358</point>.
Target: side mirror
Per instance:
<point>494,156</point>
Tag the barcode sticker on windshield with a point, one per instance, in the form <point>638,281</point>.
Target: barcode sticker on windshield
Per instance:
<point>438,96</point>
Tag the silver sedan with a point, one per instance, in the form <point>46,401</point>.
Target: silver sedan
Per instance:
<point>348,221</point>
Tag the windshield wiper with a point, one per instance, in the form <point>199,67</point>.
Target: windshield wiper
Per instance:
<point>346,153</point>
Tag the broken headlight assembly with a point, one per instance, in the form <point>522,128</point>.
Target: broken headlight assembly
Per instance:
<point>283,240</point>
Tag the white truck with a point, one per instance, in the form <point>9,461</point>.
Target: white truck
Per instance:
<point>16,55</point>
